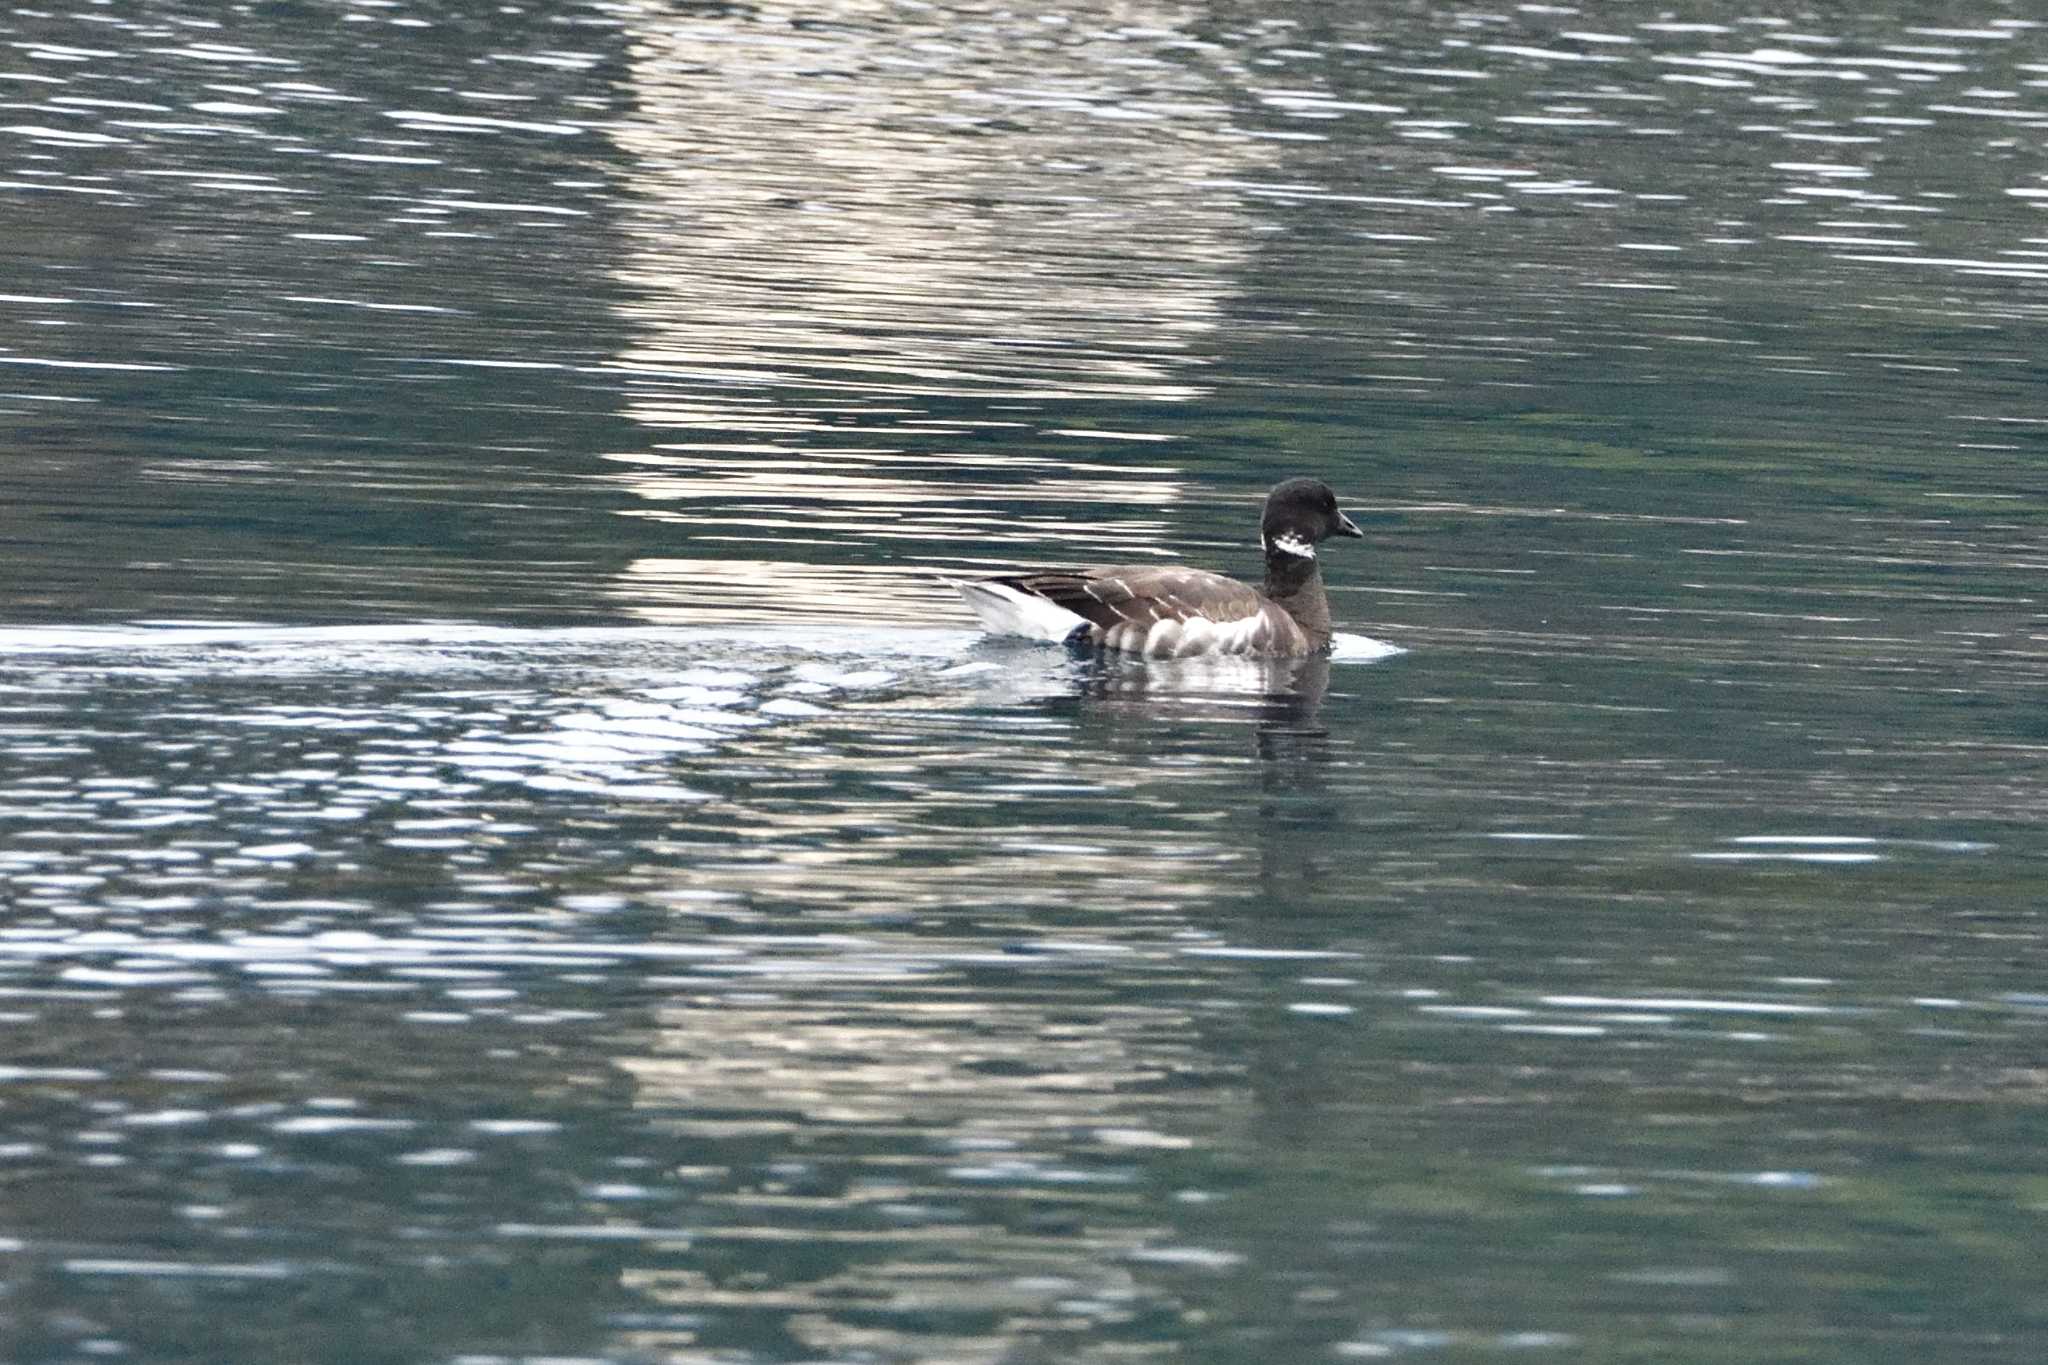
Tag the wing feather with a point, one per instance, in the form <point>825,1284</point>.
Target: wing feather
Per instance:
<point>1143,594</point>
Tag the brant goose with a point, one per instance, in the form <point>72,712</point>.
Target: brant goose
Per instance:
<point>1170,612</point>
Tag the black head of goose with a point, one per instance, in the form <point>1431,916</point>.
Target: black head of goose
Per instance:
<point>1169,611</point>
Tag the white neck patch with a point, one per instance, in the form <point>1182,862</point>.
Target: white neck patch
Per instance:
<point>1291,545</point>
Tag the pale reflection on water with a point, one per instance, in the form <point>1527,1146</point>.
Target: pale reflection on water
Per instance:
<point>955,192</point>
<point>957,203</point>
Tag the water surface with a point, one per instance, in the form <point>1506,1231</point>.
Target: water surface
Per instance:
<point>511,852</point>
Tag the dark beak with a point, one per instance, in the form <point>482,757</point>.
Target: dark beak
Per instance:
<point>1346,526</point>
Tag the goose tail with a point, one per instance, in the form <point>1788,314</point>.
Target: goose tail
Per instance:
<point>1005,610</point>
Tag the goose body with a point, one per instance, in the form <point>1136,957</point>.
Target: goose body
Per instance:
<point>1174,612</point>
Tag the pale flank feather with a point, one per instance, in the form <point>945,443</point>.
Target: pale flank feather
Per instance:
<point>1248,636</point>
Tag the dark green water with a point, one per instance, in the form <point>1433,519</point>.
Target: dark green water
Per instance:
<point>510,853</point>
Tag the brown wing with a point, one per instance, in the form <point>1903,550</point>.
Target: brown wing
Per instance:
<point>1143,593</point>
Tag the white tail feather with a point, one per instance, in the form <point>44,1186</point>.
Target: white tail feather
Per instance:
<point>1006,611</point>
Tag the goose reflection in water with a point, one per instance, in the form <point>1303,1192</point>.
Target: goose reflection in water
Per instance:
<point>1263,691</point>
<point>1296,827</point>
<point>1111,695</point>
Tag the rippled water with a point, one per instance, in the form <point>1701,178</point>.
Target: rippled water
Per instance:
<point>511,853</point>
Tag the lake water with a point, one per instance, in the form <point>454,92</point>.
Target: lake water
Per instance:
<point>512,854</point>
